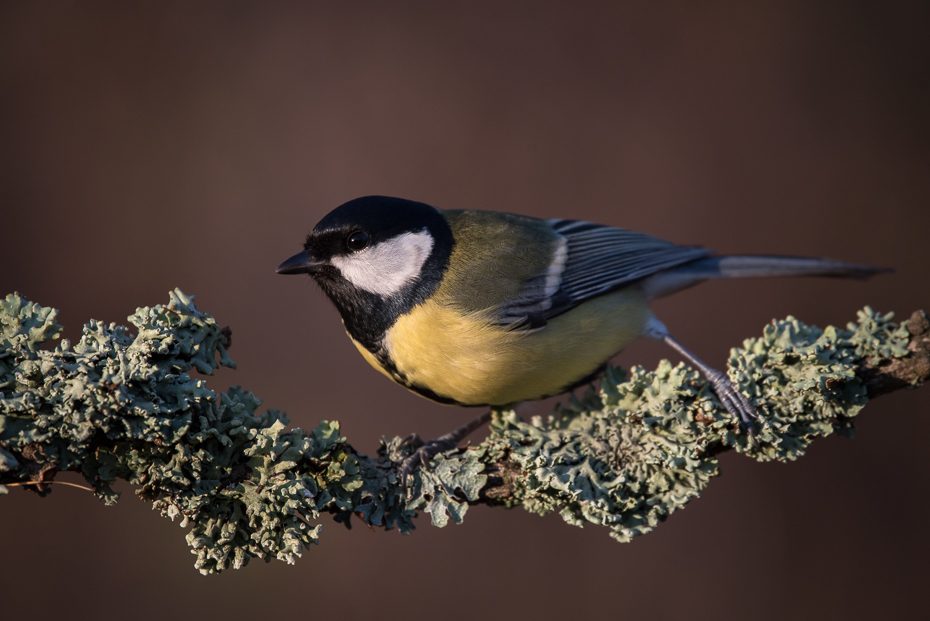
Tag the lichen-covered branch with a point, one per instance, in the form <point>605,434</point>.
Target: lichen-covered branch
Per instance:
<point>123,405</point>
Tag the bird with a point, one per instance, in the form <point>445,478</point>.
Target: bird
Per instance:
<point>488,308</point>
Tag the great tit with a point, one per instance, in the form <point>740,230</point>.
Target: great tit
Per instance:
<point>483,308</point>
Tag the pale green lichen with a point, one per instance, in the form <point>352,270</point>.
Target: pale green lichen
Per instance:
<point>123,406</point>
<point>118,406</point>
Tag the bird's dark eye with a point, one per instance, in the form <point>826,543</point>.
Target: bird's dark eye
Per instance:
<point>358,240</point>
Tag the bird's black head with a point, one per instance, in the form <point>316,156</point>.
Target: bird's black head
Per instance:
<point>376,257</point>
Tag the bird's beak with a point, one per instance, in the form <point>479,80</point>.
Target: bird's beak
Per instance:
<point>301,263</point>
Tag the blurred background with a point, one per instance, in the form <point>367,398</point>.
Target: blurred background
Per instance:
<point>146,146</point>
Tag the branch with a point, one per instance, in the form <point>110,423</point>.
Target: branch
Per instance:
<point>123,406</point>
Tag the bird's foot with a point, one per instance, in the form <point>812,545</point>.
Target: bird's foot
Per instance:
<point>427,450</point>
<point>732,399</point>
<point>735,402</point>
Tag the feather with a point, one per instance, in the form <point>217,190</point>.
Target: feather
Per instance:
<point>591,260</point>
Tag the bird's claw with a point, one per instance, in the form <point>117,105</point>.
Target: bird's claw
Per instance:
<point>413,440</point>
<point>424,454</point>
<point>427,450</point>
<point>736,403</point>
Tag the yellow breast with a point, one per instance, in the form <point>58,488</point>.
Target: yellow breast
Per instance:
<point>469,359</point>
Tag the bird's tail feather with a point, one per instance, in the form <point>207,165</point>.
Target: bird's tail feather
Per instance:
<point>750,266</point>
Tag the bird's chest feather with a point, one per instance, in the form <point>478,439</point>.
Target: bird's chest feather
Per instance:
<point>468,359</point>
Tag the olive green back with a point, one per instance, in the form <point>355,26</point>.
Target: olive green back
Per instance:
<point>494,256</point>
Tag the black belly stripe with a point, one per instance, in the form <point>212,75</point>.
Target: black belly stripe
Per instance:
<point>388,365</point>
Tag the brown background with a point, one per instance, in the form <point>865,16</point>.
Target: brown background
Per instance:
<point>151,145</point>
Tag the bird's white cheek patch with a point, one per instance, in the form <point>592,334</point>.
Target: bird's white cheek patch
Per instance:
<point>387,267</point>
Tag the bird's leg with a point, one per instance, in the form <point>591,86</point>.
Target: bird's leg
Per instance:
<point>427,450</point>
<point>732,399</point>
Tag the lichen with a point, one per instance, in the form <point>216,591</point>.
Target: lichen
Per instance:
<point>124,405</point>
<point>118,406</point>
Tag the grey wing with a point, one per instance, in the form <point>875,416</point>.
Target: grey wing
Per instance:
<point>593,260</point>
